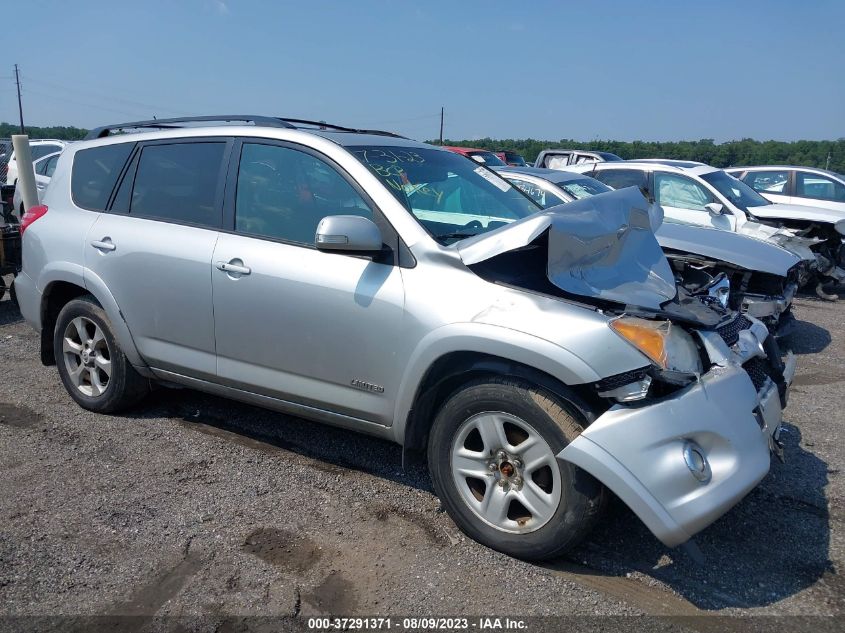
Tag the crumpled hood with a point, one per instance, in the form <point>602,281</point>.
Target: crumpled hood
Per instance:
<point>783,237</point>
<point>735,248</point>
<point>782,211</point>
<point>601,247</point>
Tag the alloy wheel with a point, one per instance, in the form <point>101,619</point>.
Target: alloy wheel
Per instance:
<point>87,356</point>
<point>505,472</point>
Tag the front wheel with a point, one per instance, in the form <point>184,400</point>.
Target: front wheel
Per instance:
<point>92,367</point>
<point>492,457</point>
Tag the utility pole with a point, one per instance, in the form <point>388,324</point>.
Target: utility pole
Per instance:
<point>20,107</point>
<point>827,162</point>
<point>441,125</point>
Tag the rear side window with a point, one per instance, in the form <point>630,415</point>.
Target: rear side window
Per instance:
<point>621,178</point>
<point>556,161</point>
<point>179,182</point>
<point>39,151</point>
<point>810,185</point>
<point>95,172</point>
<point>768,181</point>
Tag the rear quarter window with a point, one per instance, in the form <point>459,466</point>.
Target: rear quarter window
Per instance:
<point>95,172</point>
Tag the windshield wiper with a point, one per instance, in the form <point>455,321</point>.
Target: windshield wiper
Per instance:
<point>457,235</point>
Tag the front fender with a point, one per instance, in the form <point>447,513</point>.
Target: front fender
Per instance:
<point>487,339</point>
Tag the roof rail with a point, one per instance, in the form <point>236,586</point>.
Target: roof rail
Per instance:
<point>266,121</point>
<point>339,128</point>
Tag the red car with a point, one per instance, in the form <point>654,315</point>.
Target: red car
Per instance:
<point>482,156</point>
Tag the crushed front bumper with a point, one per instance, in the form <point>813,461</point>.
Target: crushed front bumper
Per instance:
<point>768,308</point>
<point>642,453</point>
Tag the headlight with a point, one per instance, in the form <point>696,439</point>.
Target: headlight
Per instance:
<point>667,345</point>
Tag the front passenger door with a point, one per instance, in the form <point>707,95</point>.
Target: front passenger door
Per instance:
<point>292,322</point>
<point>683,201</point>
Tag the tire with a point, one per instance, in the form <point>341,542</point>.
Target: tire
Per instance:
<point>93,368</point>
<point>467,431</point>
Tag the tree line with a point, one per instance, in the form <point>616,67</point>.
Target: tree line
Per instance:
<point>729,154</point>
<point>61,132</point>
<point>830,154</point>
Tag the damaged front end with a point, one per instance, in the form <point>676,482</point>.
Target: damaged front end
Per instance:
<point>820,244</point>
<point>682,439</point>
<point>748,275</point>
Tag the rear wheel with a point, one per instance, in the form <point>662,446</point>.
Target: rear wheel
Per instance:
<point>92,367</point>
<point>492,457</point>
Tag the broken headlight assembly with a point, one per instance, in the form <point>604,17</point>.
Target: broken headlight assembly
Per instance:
<point>674,355</point>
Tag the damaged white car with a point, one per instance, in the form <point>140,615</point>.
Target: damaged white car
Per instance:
<point>753,276</point>
<point>694,193</point>
<point>391,287</point>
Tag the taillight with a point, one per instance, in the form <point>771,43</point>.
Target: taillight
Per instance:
<point>32,215</point>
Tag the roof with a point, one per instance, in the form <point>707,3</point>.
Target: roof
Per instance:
<point>687,167</point>
<point>253,119</point>
<point>244,125</point>
<point>461,150</point>
<point>817,170</point>
<point>555,176</point>
<point>609,156</point>
<point>686,164</point>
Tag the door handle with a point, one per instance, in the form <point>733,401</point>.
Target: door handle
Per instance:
<point>104,245</point>
<point>233,267</point>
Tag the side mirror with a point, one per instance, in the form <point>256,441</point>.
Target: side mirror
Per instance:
<point>348,233</point>
<point>715,208</point>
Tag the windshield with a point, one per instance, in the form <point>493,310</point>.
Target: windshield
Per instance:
<point>583,187</point>
<point>736,191</point>
<point>515,159</point>
<point>452,197</point>
<point>486,158</point>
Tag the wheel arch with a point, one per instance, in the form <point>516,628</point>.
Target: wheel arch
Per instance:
<point>451,370</point>
<point>61,289</point>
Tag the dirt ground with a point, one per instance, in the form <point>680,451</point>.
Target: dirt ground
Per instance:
<point>194,505</point>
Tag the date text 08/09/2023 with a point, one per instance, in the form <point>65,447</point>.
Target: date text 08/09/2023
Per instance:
<point>414,624</point>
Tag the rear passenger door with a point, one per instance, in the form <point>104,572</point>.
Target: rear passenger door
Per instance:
<point>153,250</point>
<point>292,322</point>
<point>819,190</point>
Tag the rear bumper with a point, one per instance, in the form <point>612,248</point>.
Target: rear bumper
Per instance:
<point>29,299</point>
<point>639,452</point>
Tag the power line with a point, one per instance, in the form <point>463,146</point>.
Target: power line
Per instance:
<point>90,93</point>
<point>88,105</point>
<point>97,87</point>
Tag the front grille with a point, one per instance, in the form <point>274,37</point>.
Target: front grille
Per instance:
<point>758,371</point>
<point>730,331</point>
<point>620,380</point>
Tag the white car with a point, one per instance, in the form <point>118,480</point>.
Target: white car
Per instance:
<point>695,193</point>
<point>44,168</point>
<point>796,185</point>
<point>39,149</point>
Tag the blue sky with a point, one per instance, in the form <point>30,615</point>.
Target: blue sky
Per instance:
<point>650,70</point>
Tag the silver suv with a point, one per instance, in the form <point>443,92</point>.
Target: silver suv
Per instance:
<point>369,281</point>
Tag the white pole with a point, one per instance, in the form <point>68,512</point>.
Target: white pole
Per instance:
<point>26,174</point>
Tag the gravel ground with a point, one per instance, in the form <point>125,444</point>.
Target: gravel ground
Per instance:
<point>197,505</point>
